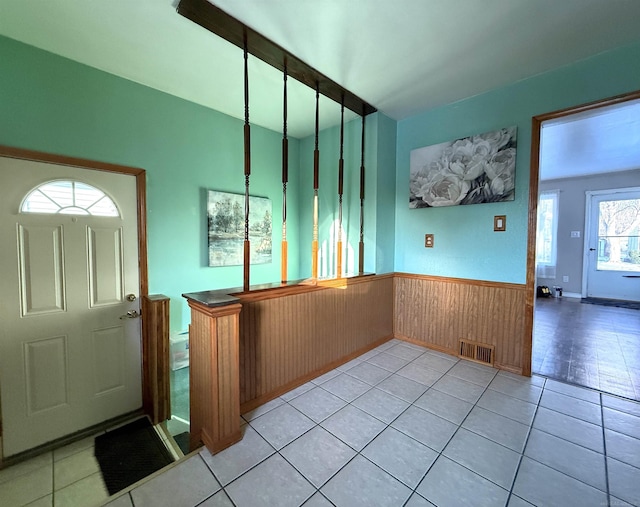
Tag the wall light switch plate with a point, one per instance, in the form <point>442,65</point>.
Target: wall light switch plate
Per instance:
<point>500,223</point>
<point>428,240</point>
<point>575,234</point>
<point>565,279</point>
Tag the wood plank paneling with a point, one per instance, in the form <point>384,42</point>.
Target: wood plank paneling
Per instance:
<point>288,339</point>
<point>156,393</point>
<point>437,312</point>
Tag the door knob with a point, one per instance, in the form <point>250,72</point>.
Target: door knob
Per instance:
<point>130,297</point>
<point>131,314</point>
<point>592,249</point>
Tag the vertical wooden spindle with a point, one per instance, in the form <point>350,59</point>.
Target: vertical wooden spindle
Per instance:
<point>316,181</point>
<point>340,191</point>
<point>361,244</point>
<point>285,179</point>
<point>247,168</point>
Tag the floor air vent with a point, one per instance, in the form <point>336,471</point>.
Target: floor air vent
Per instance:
<point>478,352</point>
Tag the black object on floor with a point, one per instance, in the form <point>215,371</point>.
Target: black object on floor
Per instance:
<point>130,453</point>
<point>182,439</point>
<point>633,305</point>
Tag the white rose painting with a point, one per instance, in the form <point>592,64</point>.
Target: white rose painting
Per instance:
<point>472,170</point>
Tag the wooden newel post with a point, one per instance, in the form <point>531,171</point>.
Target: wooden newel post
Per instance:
<point>156,391</point>
<point>214,376</point>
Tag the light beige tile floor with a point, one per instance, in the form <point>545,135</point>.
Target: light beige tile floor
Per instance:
<point>429,430</point>
<point>65,477</point>
<point>69,477</point>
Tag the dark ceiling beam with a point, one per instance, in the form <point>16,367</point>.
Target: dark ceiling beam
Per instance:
<point>229,28</point>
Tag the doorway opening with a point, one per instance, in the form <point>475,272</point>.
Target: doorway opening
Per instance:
<point>584,192</point>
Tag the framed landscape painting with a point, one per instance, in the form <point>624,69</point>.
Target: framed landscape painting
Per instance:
<point>225,227</point>
<point>471,170</point>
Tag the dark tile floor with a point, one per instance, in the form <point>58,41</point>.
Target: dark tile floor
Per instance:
<point>588,345</point>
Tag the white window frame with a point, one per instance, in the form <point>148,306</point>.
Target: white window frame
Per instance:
<point>547,268</point>
<point>75,208</point>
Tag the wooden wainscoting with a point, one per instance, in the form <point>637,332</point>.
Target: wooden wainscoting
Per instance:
<point>286,340</point>
<point>437,312</point>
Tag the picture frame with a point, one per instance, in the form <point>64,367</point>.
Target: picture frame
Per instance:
<point>226,227</point>
<point>471,170</point>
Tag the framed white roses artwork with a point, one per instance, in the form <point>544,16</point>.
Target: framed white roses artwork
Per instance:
<point>472,170</point>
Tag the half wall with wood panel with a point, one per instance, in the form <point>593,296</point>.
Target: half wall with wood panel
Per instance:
<point>437,312</point>
<point>289,336</point>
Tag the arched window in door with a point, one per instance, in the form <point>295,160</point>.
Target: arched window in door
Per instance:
<point>69,198</point>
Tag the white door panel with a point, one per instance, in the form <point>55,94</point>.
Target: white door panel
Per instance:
<point>104,258</point>
<point>45,371</point>
<point>67,359</point>
<point>41,268</point>
<point>613,250</point>
<point>108,359</point>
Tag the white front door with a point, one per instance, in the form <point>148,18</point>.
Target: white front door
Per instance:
<point>613,249</point>
<point>67,359</point>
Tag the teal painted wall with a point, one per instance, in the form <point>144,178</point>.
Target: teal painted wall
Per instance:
<point>329,147</point>
<point>465,245</point>
<point>52,104</point>
<point>386,194</point>
<point>377,128</point>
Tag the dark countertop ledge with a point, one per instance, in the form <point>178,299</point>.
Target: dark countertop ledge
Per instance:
<point>224,297</point>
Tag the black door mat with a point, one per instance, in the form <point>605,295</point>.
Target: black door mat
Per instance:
<point>130,453</point>
<point>633,305</point>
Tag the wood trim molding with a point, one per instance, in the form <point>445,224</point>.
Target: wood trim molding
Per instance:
<point>303,287</point>
<point>275,292</point>
<point>430,346</point>
<point>40,156</point>
<point>141,188</point>
<point>351,280</point>
<point>532,225</point>
<point>596,104</point>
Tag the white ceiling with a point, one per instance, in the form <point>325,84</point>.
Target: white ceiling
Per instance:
<point>401,56</point>
<point>600,140</point>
